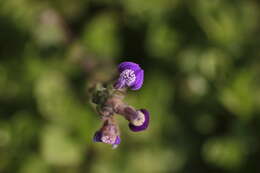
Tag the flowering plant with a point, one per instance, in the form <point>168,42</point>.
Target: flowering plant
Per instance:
<point>108,101</point>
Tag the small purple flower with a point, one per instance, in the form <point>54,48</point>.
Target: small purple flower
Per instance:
<point>108,134</point>
<point>131,75</point>
<point>114,141</point>
<point>141,122</point>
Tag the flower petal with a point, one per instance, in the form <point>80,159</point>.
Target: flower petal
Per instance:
<point>120,83</point>
<point>128,65</point>
<point>118,140</point>
<point>139,80</point>
<point>144,125</point>
<point>97,137</point>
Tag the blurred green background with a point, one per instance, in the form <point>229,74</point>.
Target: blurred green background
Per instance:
<point>202,66</point>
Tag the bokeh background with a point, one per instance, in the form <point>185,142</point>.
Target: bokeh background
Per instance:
<point>202,66</point>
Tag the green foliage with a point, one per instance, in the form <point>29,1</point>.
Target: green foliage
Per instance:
<point>101,37</point>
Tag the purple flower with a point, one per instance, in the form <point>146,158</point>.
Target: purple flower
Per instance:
<point>141,122</point>
<point>108,134</point>
<point>131,75</point>
<point>99,137</point>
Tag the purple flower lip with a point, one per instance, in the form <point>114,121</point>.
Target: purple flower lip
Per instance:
<point>98,138</point>
<point>118,140</point>
<point>144,126</point>
<point>131,75</point>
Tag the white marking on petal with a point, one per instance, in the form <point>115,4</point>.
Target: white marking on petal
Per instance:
<point>139,120</point>
<point>128,76</point>
<point>108,139</point>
